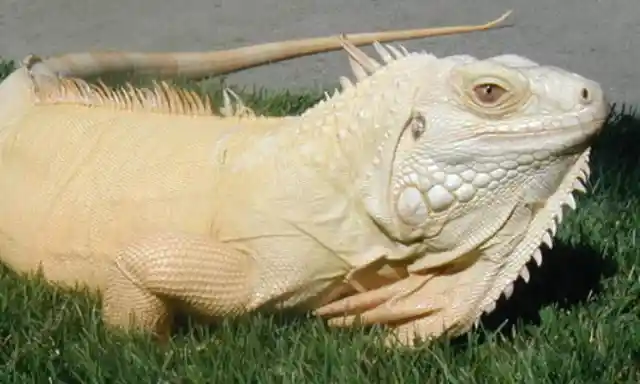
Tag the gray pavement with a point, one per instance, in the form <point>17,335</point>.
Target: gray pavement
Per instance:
<point>599,39</point>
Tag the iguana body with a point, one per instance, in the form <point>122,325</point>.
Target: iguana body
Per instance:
<point>419,192</point>
<point>129,170</point>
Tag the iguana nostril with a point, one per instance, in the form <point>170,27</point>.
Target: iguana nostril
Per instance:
<point>585,95</point>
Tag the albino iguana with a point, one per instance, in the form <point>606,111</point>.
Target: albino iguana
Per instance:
<point>417,194</point>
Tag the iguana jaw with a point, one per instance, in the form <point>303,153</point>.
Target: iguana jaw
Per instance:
<point>552,136</point>
<point>457,303</point>
<point>541,231</point>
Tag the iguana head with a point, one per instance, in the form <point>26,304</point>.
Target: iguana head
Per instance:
<point>481,130</point>
<point>487,154</point>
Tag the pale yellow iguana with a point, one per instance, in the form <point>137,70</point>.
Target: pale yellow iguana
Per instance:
<point>419,192</point>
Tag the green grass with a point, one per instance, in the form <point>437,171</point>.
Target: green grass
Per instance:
<point>577,321</point>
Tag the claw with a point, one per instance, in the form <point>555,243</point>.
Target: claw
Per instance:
<point>424,329</point>
<point>392,303</point>
<point>359,302</point>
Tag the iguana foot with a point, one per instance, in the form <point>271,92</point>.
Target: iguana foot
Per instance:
<point>447,299</point>
<point>158,275</point>
<point>420,306</point>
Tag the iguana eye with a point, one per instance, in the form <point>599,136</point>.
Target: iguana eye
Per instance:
<point>488,93</point>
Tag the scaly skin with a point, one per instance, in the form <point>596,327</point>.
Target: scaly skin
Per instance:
<point>412,198</point>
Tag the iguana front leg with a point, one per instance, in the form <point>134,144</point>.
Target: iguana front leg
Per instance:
<point>430,303</point>
<point>159,274</point>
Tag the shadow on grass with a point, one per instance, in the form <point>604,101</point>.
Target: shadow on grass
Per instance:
<point>615,155</point>
<point>568,276</point>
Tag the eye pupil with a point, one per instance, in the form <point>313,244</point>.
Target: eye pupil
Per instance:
<point>488,93</point>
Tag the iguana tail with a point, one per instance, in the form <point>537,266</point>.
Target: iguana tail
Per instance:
<point>196,65</point>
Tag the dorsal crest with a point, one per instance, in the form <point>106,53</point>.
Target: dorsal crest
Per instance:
<point>364,66</point>
<point>159,98</point>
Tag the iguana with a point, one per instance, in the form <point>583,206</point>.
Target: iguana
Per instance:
<point>413,197</point>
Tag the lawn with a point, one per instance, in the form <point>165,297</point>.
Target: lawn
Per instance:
<point>577,321</point>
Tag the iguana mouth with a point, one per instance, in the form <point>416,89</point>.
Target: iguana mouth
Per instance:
<point>580,137</point>
<point>554,142</point>
<point>587,128</point>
